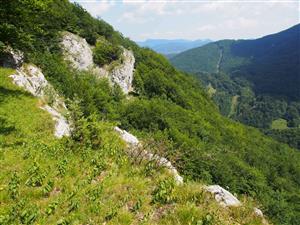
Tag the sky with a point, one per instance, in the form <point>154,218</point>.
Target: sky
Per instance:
<point>195,19</point>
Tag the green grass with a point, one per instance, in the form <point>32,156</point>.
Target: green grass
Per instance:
<point>43,181</point>
<point>279,124</point>
<point>20,113</point>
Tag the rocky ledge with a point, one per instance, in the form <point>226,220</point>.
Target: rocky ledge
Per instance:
<point>79,53</point>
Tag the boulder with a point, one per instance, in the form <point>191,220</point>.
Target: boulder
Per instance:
<point>31,79</point>
<point>224,197</point>
<point>62,127</point>
<point>258,212</point>
<point>12,58</point>
<point>127,137</point>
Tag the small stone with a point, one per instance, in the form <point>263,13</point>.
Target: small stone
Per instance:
<point>224,197</point>
<point>258,212</point>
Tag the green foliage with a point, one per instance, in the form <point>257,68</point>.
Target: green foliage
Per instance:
<point>164,192</point>
<point>279,124</point>
<point>36,176</point>
<point>259,72</point>
<point>48,188</point>
<point>290,136</point>
<point>62,166</point>
<point>270,63</point>
<point>105,52</point>
<point>51,208</point>
<point>13,186</point>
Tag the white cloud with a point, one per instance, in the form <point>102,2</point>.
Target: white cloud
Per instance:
<point>195,19</point>
<point>96,8</point>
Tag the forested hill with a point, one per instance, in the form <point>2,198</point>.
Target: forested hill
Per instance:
<point>255,82</point>
<point>87,177</point>
<point>272,62</point>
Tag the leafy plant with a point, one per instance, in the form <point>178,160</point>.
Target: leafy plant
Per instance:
<point>13,186</point>
<point>62,166</point>
<point>36,176</point>
<point>105,52</point>
<point>73,205</point>
<point>51,208</point>
<point>137,205</point>
<point>48,188</point>
<point>29,215</point>
<point>163,193</point>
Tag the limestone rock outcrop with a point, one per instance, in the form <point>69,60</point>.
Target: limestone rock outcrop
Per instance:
<point>77,51</point>
<point>133,143</point>
<point>123,74</point>
<point>224,197</point>
<point>80,54</point>
<point>33,80</point>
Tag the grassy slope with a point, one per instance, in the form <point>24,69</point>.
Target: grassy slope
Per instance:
<point>86,187</point>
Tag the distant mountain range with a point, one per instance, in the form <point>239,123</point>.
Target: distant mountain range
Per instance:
<point>172,47</point>
<point>256,82</point>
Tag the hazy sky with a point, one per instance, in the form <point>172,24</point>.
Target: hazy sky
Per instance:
<point>195,19</point>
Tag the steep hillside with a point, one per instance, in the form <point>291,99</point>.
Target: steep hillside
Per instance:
<point>263,73</point>
<point>168,110</point>
<point>42,183</point>
<point>171,47</point>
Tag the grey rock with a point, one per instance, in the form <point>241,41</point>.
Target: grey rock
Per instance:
<point>222,196</point>
<point>33,80</point>
<point>258,212</point>
<point>62,127</point>
<point>77,51</point>
<point>123,74</point>
<point>80,54</point>
<point>12,58</point>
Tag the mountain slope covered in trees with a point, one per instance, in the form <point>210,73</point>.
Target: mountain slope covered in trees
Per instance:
<point>262,74</point>
<point>167,108</point>
<point>271,63</point>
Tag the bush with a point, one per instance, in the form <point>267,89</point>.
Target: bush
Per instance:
<point>105,52</point>
<point>163,193</point>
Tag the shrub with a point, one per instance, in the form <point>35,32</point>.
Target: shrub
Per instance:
<point>163,193</point>
<point>105,52</point>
